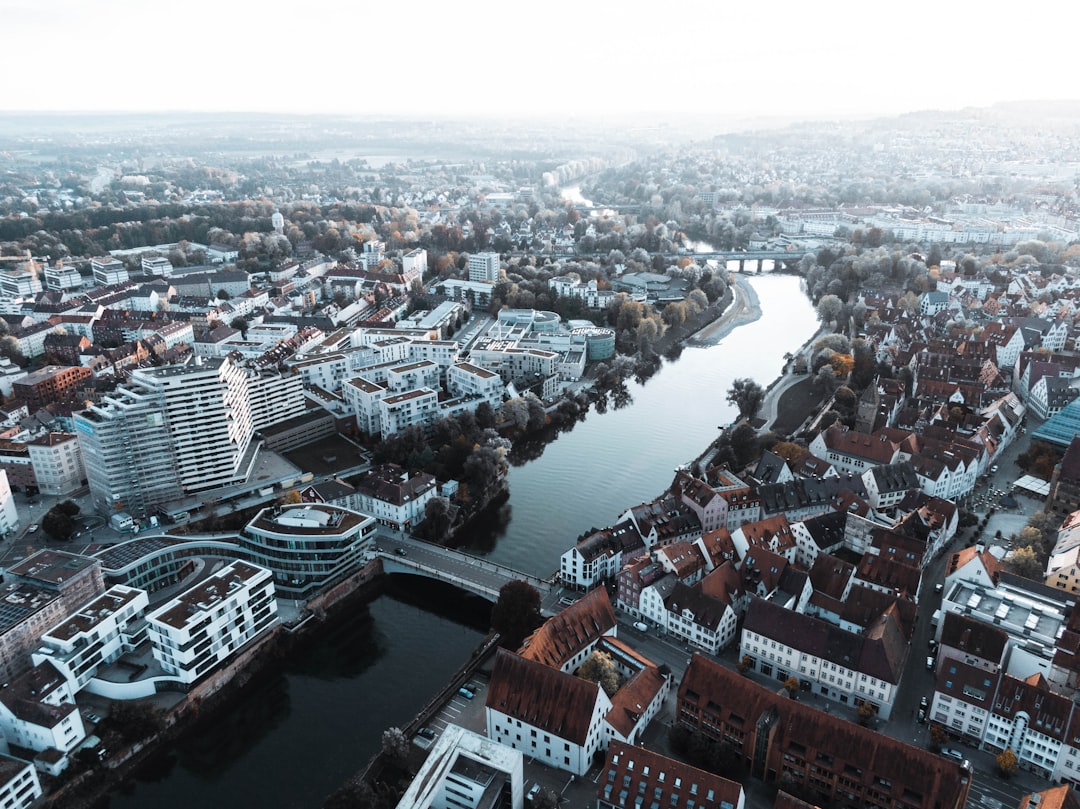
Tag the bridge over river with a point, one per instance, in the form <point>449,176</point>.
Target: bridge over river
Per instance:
<point>401,553</point>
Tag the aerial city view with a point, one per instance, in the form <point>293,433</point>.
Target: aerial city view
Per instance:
<point>384,431</point>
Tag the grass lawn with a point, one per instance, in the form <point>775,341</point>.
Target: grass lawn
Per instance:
<point>796,403</point>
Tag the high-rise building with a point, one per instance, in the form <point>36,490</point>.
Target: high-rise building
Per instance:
<point>176,430</point>
<point>484,267</point>
<point>108,271</point>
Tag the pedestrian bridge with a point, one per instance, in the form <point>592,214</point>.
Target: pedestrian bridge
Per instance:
<point>403,554</point>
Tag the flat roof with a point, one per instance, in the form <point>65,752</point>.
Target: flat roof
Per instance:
<point>51,567</point>
<point>206,594</point>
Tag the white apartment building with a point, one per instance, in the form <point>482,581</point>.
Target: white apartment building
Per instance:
<point>414,265</point>
<point>108,271</point>
<point>62,277</point>
<point>413,375</point>
<point>57,462</point>
<point>10,373</point>
<point>19,283</point>
<point>19,785</point>
<point>419,407</point>
<point>94,636</point>
<point>466,379</point>
<point>484,267</point>
<point>9,515</point>
<point>156,265</point>
<point>202,627</point>
<point>393,496</point>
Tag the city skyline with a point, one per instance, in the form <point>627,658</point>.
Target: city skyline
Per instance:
<point>565,59</point>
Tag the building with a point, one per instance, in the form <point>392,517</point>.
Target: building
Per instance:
<point>484,267</point>
<point>393,496</point>
<point>50,385</point>
<point>19,785</point>
<point>9,515</point>
<point>849,667</point>
<point>463,770</point>
<point>632,775</point>
<point>108,271</point>
<point>94,636</point>
<point>207,624</point>
<point>57,462</point>
<point>780,739</point>
<point>179,429</point>
<point>308,547</point>
<point>547,714</point>
<point>1064,497</point>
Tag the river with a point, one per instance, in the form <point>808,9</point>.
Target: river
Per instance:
<point>300,732</point>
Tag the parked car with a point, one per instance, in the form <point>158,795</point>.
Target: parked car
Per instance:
<point>924,703</point>
<point>426,733</point>
<point>939,587</point>
<point>641,626</point>
<point>929,662</point>
<point>533,791</point>
<point>465,692</point>
<point>566,601</point>
<point>921,718</point>
<point>33,529</point>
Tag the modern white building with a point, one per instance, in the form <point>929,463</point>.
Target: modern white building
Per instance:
<point>9,515</point>
<point>94,636</point>
<point>19,785</point>
<point>202,627</point>
<point>308,547</point>
<point>484,267</point>
<point>108,271</point>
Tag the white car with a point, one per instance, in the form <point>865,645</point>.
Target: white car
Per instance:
<point>33,528</point>
<point>640,626</point>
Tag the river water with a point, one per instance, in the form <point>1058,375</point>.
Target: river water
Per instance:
<point>299,733</point>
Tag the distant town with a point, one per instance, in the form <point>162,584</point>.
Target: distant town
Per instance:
<point>247,376</point>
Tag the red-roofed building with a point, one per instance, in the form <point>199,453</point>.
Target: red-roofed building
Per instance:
<point>631,772</point>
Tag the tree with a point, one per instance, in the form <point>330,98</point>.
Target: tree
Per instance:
<point>829,308</point>
<point>437,517</point>
<point>867,711</point>
<point>745,663</point>
<point>291,498</point>
<point>791,685</point>
<point>58,523</point>
<point>938,737</point>
<point>599,667</point>
<point>747,395</point>
<point>395,746</point>
<point>1006,762</point>
<point>1025,562</point>
<point>223,295</point>
<point>516,613</point>
<point>241,325</point>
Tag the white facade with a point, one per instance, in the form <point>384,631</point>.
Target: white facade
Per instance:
<point>94,636</point>
<point>108,271</point>
<point>57,462</point>
<point>19,787</point>
<point>202,627</point>
<point>417,407</point>
<point>484,267</point>
<point>9,515</point>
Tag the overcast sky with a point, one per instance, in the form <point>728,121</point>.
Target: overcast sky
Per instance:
<point>553,57</point>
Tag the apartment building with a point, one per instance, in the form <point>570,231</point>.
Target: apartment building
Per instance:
<point>631,775</point>
<point>94,636</point>
<point>484,267</point>
<point>19,785</point>
<point>205,625</point>
<point>57,462</point>
<point>108,271</point>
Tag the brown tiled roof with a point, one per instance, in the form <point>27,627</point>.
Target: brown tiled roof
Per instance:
<point>858,752</point>
<point>865,605</point>
<point>629,703</point>
<point>669,783</point>
<point>830,575</point>
<point>1062,797</point>
<point>1048,712</point>
<point>975,637</point>
<point>562,636</point>
<point>966,555</point>
<point>880,652</point>
<point>541,696</point>
<point>888,572</point>
<point>967,683</point>
<point>719,546</point>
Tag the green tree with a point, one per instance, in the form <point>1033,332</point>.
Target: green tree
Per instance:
<point>1006,762</point>
<point>516,613</point>
<point>747,395</point>
<point>395,746</point>
<point>241,325</point>
<point>58,523</point>
<point>829,308</point>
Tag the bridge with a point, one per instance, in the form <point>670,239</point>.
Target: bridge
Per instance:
<point>401,553</point>
<point>786,257</point>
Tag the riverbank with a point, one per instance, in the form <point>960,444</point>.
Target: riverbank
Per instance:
<point>744,308</point>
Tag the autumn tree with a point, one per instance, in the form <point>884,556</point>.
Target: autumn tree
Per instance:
<point>791,685</point>
<point>866,712</point>
<point>1006,762</point>
<point>516,613</point>
<point>747,395</point>
<point>744,664</point>
<point>1025,562</point>
<point>938,737</point>
<point>600,668</point>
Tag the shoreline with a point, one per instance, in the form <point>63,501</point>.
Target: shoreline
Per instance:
<point>745,308</point>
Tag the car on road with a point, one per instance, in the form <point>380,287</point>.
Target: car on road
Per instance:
<point>640,626</point>
<point>929,662</point>
<point>33,529</point>
<point>921,718</point>
<point>566,601</point>
<point>465,692</point>
<point>994,469</point>
<point>939,587</point>
<point>533,792</point>
<point>924,703</point>
<point>401,552</point>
